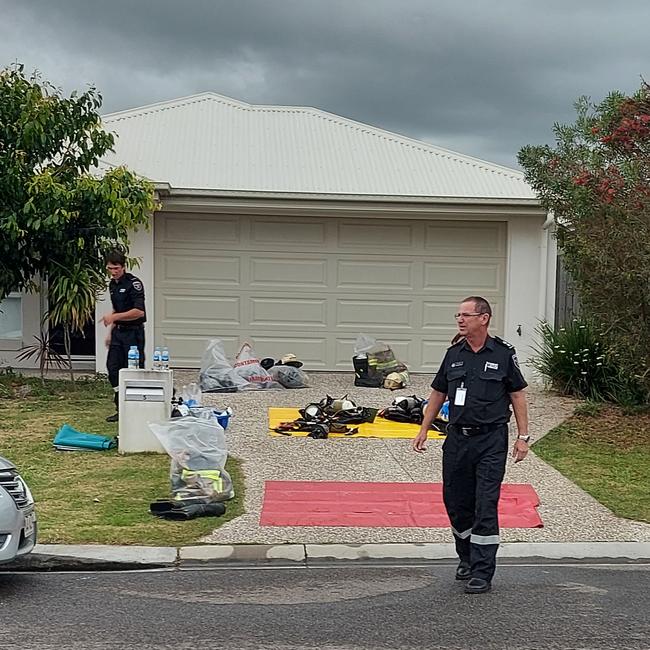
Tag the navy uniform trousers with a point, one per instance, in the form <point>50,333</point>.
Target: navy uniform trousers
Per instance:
<point>473,467</point>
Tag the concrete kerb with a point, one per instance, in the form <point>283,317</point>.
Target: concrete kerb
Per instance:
<point>56,557</point>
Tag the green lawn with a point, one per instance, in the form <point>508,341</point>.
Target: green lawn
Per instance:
<point>607,453</point>
<point>91,497</point>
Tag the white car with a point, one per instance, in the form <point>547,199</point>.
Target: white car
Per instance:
<point>18,525</point>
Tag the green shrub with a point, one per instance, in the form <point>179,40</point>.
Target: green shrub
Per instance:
<point>577,361</point>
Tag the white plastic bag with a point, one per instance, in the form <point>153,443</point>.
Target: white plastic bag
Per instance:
<point>198,452</point>
<point>247,366</point>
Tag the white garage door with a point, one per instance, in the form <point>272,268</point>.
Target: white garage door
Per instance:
<point>310,285</point>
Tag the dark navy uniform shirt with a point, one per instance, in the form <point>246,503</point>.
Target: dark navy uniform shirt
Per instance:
<point>127,293</point>
<point>489,376</point>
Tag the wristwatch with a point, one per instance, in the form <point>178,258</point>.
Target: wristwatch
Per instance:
<point>525,438</point>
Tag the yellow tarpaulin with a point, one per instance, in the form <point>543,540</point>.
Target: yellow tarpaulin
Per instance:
<point>380,428</point>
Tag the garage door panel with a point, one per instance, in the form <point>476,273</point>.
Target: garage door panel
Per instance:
<point>215,311</point>
<point>187,270</point>
<point>310,285</point>
<point>368,235</point>
<point>432,353</point>
<point>196,231</point>
<point>481,276</point>
<point>288,312</point>
<point>372,314</point>
<point>311,234</point>
<point>286,272</point>
<point>438,316</point>
<point>376,274</point>
<point>186,349</point>
<point>484,239</point>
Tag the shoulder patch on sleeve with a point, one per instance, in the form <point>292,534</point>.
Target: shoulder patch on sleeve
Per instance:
<point>500,340</point>
<point>137,285</point>
<point>516,361</point>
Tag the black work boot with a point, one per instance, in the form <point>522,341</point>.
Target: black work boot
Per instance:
<point>113,418</point>
<point>477,586</point>
<point>463,572</point>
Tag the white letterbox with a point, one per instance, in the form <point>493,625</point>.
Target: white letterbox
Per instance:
<point>145,396</point>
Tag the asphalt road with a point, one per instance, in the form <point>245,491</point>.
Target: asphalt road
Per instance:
<point>332,607</point>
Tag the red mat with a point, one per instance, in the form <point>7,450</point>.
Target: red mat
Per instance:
<point>381,505</point>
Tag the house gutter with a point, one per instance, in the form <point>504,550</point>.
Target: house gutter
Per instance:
<point>543,266</point>
<point>166,190</point>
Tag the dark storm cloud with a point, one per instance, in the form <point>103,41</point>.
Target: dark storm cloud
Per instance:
<point>480,77</point>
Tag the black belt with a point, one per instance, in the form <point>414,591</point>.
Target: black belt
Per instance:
<point>469,431</point>
<point>129,327</point>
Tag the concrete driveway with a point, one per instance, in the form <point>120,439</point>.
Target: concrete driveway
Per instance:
<point>568,513</point>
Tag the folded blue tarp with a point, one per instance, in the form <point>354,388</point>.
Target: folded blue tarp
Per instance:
<point>69,439</point>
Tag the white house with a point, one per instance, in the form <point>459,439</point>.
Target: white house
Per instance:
<point>297,229</point>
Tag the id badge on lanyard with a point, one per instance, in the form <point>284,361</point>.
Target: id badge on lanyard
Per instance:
<point>461,393</point>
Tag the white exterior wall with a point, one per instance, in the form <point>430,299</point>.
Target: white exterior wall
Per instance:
<point>530,282</point>
<point>142,248</point>
<point>527,296</point>
<point>31,319</point>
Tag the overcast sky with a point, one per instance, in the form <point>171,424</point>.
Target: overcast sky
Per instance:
<point>482,77</point>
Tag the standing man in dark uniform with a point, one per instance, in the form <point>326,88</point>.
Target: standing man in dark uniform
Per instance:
<point>481,376</point>
<point>125,323</point>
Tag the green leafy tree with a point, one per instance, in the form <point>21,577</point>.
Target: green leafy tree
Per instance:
<point>596,180</point>
<point>59,215</point>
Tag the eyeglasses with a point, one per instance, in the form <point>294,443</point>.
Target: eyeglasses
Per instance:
<point>465,315</point>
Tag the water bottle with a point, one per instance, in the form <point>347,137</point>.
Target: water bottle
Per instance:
<point>164,359</point>
<point>134,357</point>
<point>157,359</point>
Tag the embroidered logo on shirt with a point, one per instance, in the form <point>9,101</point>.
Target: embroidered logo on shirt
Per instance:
<point>457,364</point>
<point>491,366</point>
<point>137,285</point>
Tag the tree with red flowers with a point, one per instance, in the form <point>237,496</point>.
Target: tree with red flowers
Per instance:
<point>596,181</point>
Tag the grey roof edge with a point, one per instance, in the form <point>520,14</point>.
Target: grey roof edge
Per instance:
<point>325,115</point>
<point>165,189</point>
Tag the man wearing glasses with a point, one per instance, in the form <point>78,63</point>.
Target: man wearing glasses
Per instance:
<point>480,374</point>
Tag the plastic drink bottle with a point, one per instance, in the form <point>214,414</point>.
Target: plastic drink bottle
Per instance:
<point>164,359</point>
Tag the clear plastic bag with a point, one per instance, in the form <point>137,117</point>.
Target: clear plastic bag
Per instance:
<point>289,376</point>
<point>198,452</point>
<point>191,395</point>
<point>364,343</point>
<point>217,373</point>
<point>381,358</point>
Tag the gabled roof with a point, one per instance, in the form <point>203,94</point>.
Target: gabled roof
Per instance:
<point>211,142</point>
